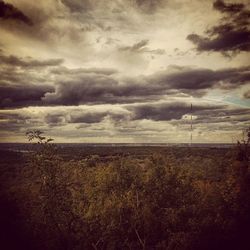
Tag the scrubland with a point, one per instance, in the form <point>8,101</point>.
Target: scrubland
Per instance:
<point>125,198</point>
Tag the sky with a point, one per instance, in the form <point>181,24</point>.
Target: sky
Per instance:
<point>125,71</point>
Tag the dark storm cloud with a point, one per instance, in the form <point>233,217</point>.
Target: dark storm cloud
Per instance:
<point>8,11</point>
<point>230,40</point>
<point>93,88</point>
<point>84,88</point>
<point>165,111</point>
<point>102,86</point>
<point>198,79</point>
<point>227,41</point>
<point>231,8</point>
<point>177,113</point>
<point>24,81</point>
<point>28,62</point>
<point>22,95</point>
<point>232,34</point>
<point>99,89</point>
<point>87,85</point>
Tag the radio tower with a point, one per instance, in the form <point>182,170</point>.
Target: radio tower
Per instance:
<point>191,125</point>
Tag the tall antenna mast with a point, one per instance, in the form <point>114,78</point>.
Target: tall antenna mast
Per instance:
<point>191,125</point>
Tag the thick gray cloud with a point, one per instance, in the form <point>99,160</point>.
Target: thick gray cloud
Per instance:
<point>168,111</point>
<point>188,79</point>
<point>24,81</point>
<point>163,112</point>
<point>55,119</point>
<point>99,88</point>
<point>102,86</point>
<point>17,121</point>
<point>29,62</point>
<point>22,95</point>
<point>231,8</point>
<point>8,11</point>
<point>138,121</point>
<point>232,34</point>
<point>227,40</point>
<point>84,116</point>
<point>88,117</point>
<point>175,112</point>
<point>86,88</point>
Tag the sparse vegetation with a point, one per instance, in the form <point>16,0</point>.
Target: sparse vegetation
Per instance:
<point>155,198</point>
